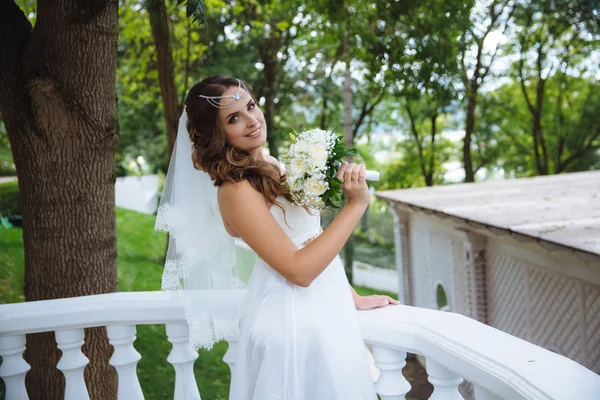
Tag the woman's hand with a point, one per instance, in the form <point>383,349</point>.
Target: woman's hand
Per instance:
<point>355,186</point>
<point>373,301</point>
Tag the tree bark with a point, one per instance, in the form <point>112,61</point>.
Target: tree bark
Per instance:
<point>349,139</point>
<point>58,103</point>
<point>272,73</point>
<point>159,22</point>
<point>469,128</point>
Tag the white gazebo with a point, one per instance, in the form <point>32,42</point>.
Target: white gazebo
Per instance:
<point>520,255</point>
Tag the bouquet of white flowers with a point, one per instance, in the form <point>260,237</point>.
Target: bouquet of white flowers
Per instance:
<point>311,168</point>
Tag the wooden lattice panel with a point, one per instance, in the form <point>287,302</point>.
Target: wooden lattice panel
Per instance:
<point>554,313</point>
<point>507,303</point>
<point>592,322</point>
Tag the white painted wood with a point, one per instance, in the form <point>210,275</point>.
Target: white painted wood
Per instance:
<point>14,367</point>
<point>402,253</point>
<point>445,383</point>
<point>125,358</point>
<point>562,209</point>
<point>391,385</point>
<point>182,357</point>
<point>72,363</point>
<point>482,393</point>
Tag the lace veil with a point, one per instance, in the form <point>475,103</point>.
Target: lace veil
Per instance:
<point>201,263</point>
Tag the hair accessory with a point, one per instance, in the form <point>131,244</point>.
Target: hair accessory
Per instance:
<point>215,101</point>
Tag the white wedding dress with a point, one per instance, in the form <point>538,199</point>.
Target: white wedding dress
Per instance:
<point>300,343</point>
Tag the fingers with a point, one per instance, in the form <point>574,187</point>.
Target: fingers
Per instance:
<point>356,173</point>
<point>348,174</point>
<point>351,172</point>
<point>362,172</point>
<point>342,170</point>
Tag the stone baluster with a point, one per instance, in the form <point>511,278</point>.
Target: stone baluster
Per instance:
<point>231,353</point>
<point>445,383</point>
<point>125,358</point>
<point>72,363</point>
<point>482,393</point>
<point>14,367</point>
<point>391,385</point>
<point>402,249</point>
<point>182,357</point>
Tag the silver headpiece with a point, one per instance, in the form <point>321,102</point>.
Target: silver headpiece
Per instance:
<point>215,101</point>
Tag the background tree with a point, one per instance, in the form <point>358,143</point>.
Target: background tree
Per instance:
<point>553,40</point>
<point>487,18</point>
<point>57,99</point>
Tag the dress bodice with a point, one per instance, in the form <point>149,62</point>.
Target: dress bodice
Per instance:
<point>297,223</point>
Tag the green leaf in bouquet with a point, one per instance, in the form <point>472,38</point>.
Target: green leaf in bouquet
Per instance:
<point>292,138</point>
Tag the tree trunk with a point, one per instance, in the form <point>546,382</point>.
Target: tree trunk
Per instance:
<point>469,128</point>
<point>268,52</point>
<point>166,78</point>
<point>349,138</point>
<point>58,103</point>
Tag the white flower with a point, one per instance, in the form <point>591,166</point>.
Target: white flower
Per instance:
<point>315,187</point>
<point>297,167</point>
<point>301,147</point>
<point>318,156</point>
<point>319,136</point>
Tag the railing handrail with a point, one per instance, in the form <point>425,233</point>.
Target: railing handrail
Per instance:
<point>483,355</point>
<point>139,308</point>
<point>503,363</point>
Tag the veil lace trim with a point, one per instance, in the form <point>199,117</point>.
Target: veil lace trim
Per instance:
<point>201,264</point>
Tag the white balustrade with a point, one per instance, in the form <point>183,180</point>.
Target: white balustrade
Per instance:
<point>72,362</point>
<point>500,366</point>
<point>482,393</point>
<point>14,367</point>
<point>125,358</point>
<point>391,385</point>
<point>230,354</point>
<point>182,357</point>
<point>445,383</point>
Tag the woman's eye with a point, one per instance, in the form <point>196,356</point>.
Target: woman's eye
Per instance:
<point>251,106</point>
<point>233,119</point>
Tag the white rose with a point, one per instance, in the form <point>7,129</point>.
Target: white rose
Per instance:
<point>301,147</point>
<point>297,167</point>
<point>314,187</point>
<point>319,136</point>
<point>318,156</point>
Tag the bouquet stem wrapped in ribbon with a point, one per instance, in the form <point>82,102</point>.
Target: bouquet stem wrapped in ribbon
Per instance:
<point>311,163</point>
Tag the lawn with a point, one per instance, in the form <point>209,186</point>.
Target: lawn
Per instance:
<point>140,260</point>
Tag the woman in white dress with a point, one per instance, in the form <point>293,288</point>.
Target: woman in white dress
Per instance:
<point>299,338</point>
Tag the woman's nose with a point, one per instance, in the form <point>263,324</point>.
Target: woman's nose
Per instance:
<point>251,122</point>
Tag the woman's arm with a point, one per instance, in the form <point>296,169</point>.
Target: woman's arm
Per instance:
<point>245,210</point>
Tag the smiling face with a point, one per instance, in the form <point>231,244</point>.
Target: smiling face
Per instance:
<point>243,123</point>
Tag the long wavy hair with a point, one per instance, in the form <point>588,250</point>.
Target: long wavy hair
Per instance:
<point>213,154</point>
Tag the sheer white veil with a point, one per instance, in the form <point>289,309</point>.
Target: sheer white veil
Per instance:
<point>200,267</point>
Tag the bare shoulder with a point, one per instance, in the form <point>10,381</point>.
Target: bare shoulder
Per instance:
<point>239,196</point>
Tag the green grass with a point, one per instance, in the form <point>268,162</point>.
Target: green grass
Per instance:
<point>140,263</point>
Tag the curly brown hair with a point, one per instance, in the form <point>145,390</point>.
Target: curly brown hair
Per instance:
<point>213,154</point>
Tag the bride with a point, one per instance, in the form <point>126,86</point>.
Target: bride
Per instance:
<point>299,338</point>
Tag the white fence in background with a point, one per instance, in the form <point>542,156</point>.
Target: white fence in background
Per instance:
<point>137,193</point>
<point>372,277</point>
